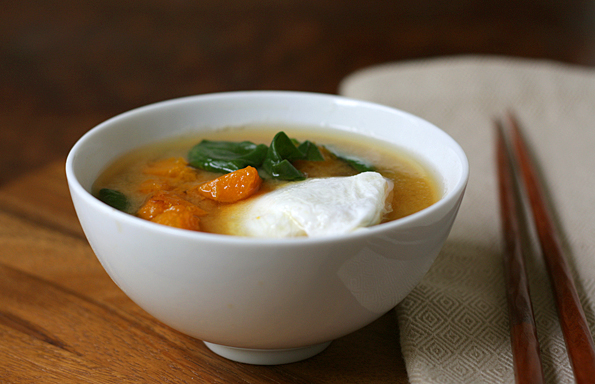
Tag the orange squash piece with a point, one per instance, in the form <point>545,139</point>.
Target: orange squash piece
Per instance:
<point>172,210</point>
<point>232,187</point>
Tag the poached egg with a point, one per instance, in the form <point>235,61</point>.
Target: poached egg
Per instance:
<point>315,207</point>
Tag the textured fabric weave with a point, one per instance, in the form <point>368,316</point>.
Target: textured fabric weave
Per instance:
<point>454,325</point>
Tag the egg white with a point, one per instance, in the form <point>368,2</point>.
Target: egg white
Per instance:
<point>315,207</point>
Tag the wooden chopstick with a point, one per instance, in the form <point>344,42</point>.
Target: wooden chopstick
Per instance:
<point>523,332</point>
<point>579,341</point>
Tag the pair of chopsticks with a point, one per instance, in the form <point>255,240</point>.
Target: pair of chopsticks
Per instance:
<point>525,345</point>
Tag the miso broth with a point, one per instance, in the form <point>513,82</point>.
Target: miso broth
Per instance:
<point>163,167</point>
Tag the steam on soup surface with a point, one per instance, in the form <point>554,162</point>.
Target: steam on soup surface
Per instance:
<point>304,182</point>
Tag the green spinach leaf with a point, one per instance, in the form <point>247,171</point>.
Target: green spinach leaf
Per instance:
<point>273,161</point>
<point>114,199</point>
<point>226,156</point>
<point>356,163</point>
<point>283,151</point>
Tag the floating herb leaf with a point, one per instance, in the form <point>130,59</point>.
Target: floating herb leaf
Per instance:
<point>310,151</point>
<point>114,199</point>
<point>226,156</point>
<point>356,163</point>
<point>283,151</point>
<point>274,160</point>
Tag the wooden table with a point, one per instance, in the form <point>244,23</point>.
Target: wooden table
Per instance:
<point>62,320</point>
<point>67,65</point>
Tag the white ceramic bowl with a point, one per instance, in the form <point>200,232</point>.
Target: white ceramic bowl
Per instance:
<point>265,301</point>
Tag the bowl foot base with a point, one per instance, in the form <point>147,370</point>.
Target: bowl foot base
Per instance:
<point>267,356</point>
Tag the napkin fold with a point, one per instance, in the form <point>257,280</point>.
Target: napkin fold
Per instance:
<point>454,325</point>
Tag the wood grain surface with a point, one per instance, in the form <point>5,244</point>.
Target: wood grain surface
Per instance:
<point>67,65</point>
<point>62,320</point>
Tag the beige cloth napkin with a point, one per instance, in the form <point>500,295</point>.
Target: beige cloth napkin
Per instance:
<point>454,325</point>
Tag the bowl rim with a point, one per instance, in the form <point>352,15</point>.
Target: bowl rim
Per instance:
<point>75,186</point>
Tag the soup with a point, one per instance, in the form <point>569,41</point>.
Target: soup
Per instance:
<point>181,182</point>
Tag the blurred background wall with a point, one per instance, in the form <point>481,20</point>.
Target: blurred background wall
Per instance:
<point>66,65</point>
